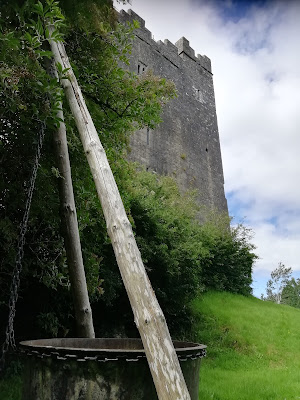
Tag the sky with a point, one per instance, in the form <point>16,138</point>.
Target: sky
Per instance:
<point>255,53</point>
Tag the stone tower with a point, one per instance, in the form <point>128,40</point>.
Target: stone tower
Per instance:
<point>186,144</point>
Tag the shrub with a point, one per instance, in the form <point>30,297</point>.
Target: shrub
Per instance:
<point>229,263</point>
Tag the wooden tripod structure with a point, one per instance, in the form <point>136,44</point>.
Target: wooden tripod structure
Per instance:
<point>148,316</point>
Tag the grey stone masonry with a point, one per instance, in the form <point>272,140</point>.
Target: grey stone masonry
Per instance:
<point>186,144</point>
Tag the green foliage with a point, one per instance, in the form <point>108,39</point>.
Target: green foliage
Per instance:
<point>96,16</point>
<point>28,97</point>
<point>165,230</point>
<point>279,279</point>
<point>282,288</point>
<point>291,293</point>
<point>49,323</point>
<point>228,265</point>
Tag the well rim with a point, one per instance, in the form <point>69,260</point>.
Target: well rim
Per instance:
<point>101,349</point>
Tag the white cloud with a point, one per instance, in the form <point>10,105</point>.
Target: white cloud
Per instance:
<point>275,246</point>
<point>256,65</point>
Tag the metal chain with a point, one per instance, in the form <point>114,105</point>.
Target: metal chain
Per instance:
<point>14,288</point>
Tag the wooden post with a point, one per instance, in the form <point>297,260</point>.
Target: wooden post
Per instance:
<point>148,316</point>
<point>81,302</point>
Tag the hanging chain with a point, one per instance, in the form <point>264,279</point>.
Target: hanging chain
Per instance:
<point>14,289</point>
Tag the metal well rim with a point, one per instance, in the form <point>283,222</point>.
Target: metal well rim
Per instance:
<point>102,349</point>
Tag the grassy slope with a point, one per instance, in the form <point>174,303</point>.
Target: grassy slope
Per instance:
<point>253,348</point>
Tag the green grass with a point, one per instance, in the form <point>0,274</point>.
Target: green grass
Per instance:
<point>253,348</point>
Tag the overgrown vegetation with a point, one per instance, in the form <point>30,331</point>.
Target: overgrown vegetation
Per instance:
<point>182,258</point>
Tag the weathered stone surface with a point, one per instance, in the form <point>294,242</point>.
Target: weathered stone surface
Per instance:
<point>186,144</point>
<point>99,369</point>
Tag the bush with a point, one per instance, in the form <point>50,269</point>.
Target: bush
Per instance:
<point>229,263</point>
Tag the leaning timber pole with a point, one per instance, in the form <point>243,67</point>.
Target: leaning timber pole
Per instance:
<point>148,316</point>
<point>82,307</point>
<point>81,302</point>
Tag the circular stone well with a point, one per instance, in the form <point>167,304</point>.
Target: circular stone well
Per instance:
<point>99,369</point>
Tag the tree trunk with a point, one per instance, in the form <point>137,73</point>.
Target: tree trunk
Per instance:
<point>148,316</point>
<point>82,308</point>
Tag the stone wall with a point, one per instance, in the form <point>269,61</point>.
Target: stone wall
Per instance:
<point>186,144</point>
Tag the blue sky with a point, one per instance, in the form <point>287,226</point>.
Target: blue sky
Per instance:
<point>255,53</point>
<point>233,10</point>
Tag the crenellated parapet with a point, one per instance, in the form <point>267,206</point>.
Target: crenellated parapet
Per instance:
<point>184,48</point>
<point>177,52</point>
<point>131,16</point>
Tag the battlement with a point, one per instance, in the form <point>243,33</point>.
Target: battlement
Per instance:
<point>177,52</point>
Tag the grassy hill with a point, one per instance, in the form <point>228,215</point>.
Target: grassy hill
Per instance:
<point>253,348</point>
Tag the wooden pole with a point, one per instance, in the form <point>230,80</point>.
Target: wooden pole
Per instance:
<point>148,316</point>
<point>82,308</point>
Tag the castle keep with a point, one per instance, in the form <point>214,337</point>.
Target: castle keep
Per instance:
<point>186,144</point>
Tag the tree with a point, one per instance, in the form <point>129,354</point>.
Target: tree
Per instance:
<point>279,278</point>
<point>282,288</point>
<point>291,293</point>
